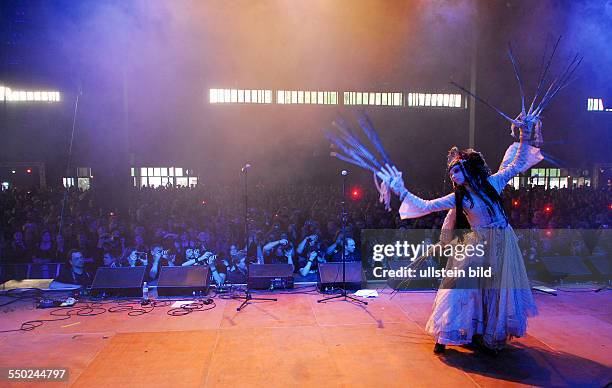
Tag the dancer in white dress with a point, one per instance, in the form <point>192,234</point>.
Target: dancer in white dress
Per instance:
<point>488,310</point>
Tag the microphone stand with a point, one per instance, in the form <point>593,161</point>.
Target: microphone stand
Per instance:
<point>343,293</point>
<point>247,293</point>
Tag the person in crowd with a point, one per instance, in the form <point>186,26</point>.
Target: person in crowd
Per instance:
<point>18,252</point>
<point>309,255</point>
<point>45,250</point>
<point>217,269</point>
<point>236,266</point>
<point>280,251</point>
<point>74,273</point>
<point>133,258</point>
<point>350,251</point>
<point>109,260</point>
<point>155,263</point>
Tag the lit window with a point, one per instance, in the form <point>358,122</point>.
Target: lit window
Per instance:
<point>240,96</point>
<point>434,100</point>
<point>373,98</point>
<point>154,181</point>
<point>306,97</point>
<point>596,104</point>
<point>68,182</point>
<point>178,171</point>
<point>212,96</point>
<point>143,171</point>
<point>83,183</point>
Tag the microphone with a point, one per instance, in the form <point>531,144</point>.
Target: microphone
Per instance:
<point>344,173</point>
<point>245,167</point>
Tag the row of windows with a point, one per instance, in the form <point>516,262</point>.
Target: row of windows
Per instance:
<point>373,98</point>
<point>550,178</point>
<point>6,94</point>
<point>434,100</point>
<point>241,96</point>
<point>306,97</point>
<point>552,172</point>
<point>160,171</point>
<point>597,104</point>
<point>244,96</point>
<point>82,183</point>
<point>548,183</point>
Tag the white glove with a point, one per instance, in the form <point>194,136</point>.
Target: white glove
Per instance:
<point>393,178</point>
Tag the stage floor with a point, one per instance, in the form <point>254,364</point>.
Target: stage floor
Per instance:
<point>299,342</point>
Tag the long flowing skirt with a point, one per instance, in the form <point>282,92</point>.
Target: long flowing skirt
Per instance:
<point>494,307</point>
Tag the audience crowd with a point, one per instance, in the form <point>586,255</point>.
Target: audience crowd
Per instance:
<point>204,225</point>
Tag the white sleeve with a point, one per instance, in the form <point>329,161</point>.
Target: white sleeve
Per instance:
<point>519,157</point>
<point>414,207</point>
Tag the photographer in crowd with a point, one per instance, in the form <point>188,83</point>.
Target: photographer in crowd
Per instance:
<point>310,255</point>
<point>218,271</point>
<point>279,252</point>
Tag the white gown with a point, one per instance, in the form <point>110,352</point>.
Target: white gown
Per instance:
<point>496,308</point>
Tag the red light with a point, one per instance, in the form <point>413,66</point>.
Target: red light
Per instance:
<point>356,194</point>
<point>111,214</point>
<point>548,209</point>
<point>29,170</point>
<point>515,203</point>
<point>610,206</point>
<point>204,203</point>
<point>548,233</point>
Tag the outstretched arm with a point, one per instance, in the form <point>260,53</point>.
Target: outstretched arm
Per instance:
<point>412,205</point>
<point>519,157</point>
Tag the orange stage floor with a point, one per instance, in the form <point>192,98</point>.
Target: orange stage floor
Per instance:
<point>299,342</point>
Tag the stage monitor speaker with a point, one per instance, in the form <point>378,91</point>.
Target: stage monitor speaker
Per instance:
<point>602,265</point>
<point>270,276</point>
<point>122,281</point>
<point>330,275</point>
<point>178,281</point>
<point>416,283</point>
<point>565,268</point>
